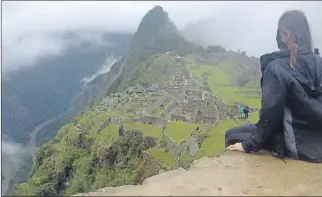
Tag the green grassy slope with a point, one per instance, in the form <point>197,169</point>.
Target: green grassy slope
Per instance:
<point>222,81</point>
<point>180,131</point>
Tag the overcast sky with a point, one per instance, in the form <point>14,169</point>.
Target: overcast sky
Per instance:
<point>28,26</point>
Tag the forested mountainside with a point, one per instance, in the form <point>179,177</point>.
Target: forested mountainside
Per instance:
<point>34,94</point>
<point>35,98</point>
<point>174,100</point>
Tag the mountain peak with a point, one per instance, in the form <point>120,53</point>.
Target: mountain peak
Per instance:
<point>156,34</point>
<point>157,8</point>
<point>156,11</point>
<point>156,23</point>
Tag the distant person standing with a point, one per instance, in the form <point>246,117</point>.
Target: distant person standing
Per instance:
<point>246,111</point>
<point>121,131</point>
<point>241,111</point>
<point>316,51</point>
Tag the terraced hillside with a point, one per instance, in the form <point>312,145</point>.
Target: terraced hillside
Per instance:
<point>173,109</point>
<point>86,154</point>
<point>228,78</point>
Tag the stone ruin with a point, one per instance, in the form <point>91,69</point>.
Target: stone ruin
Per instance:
<point>222,109</point>
<point>181,100</point>
<point>204,118</point>
<point>195,94</point>
<point>191,146</point>
<point>154,88</point>
<point>196,106</point>
<point>135,89</point>
<point>178,81</point>
<point>178,117</point>
<point>232,111</point>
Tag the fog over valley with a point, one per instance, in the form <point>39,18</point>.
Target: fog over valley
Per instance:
<point>30,28</point>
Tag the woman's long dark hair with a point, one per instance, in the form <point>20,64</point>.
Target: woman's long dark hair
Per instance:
<point>295,22</point>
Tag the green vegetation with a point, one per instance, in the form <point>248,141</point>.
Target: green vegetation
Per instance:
<point>215,141</point>
<point>253,117</point>
<point>222,80</point>
<point>81,161</point>
<point>147,130</point>
<point>89,154</point>
<point>52,83</point>
<point>154,69</point>
<point>163,157</point>
<point>96,157</point>
<point>78,161</point>
<point>180,131</point>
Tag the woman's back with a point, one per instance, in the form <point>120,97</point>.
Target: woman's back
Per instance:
<point>303,103</point>
<point>291,114</point>
<point>305,90</point>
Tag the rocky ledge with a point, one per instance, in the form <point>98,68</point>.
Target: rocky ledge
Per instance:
<point>232,173</point>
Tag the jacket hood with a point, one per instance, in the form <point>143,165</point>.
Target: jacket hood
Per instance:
<point>308,68</point>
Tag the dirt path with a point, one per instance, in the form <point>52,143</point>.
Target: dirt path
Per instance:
<point>230,174</point>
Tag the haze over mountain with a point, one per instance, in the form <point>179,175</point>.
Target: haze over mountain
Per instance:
<point>32,32</point>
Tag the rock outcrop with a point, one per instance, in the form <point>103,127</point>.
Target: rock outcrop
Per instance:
<point>232,173</point>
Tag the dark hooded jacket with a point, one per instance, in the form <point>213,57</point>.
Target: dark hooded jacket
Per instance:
<point>290,121</point>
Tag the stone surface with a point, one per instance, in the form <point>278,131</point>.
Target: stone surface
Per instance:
<point>232,173</point>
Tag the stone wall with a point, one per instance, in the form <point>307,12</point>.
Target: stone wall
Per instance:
<point>187,107</point>
<point>222,108</point>
<point>104,125</point>
<point>178,117</point>
<point>151,165</point>
<point>169,107</point>
<point>130,120</point>
<point>174,91</point>
<point>191,101</point>
<point>156,105</point>
<point>191,146</point>
<point>152,119</point>
<point>232,111</point>
<point>203,119</point>
<point>170,145</point>
<point>116,120</point>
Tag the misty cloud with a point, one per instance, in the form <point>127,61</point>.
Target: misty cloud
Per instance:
<point>29,27</point>
<point>12,148</point>
<point>104,68</point>
<point>14,151</point>
<point>26,49</point>
<point>13,155</point>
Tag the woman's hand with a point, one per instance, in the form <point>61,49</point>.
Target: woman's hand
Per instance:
<point>236,147</point>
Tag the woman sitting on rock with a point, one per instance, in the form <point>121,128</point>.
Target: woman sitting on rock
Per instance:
<point>290,120</point>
